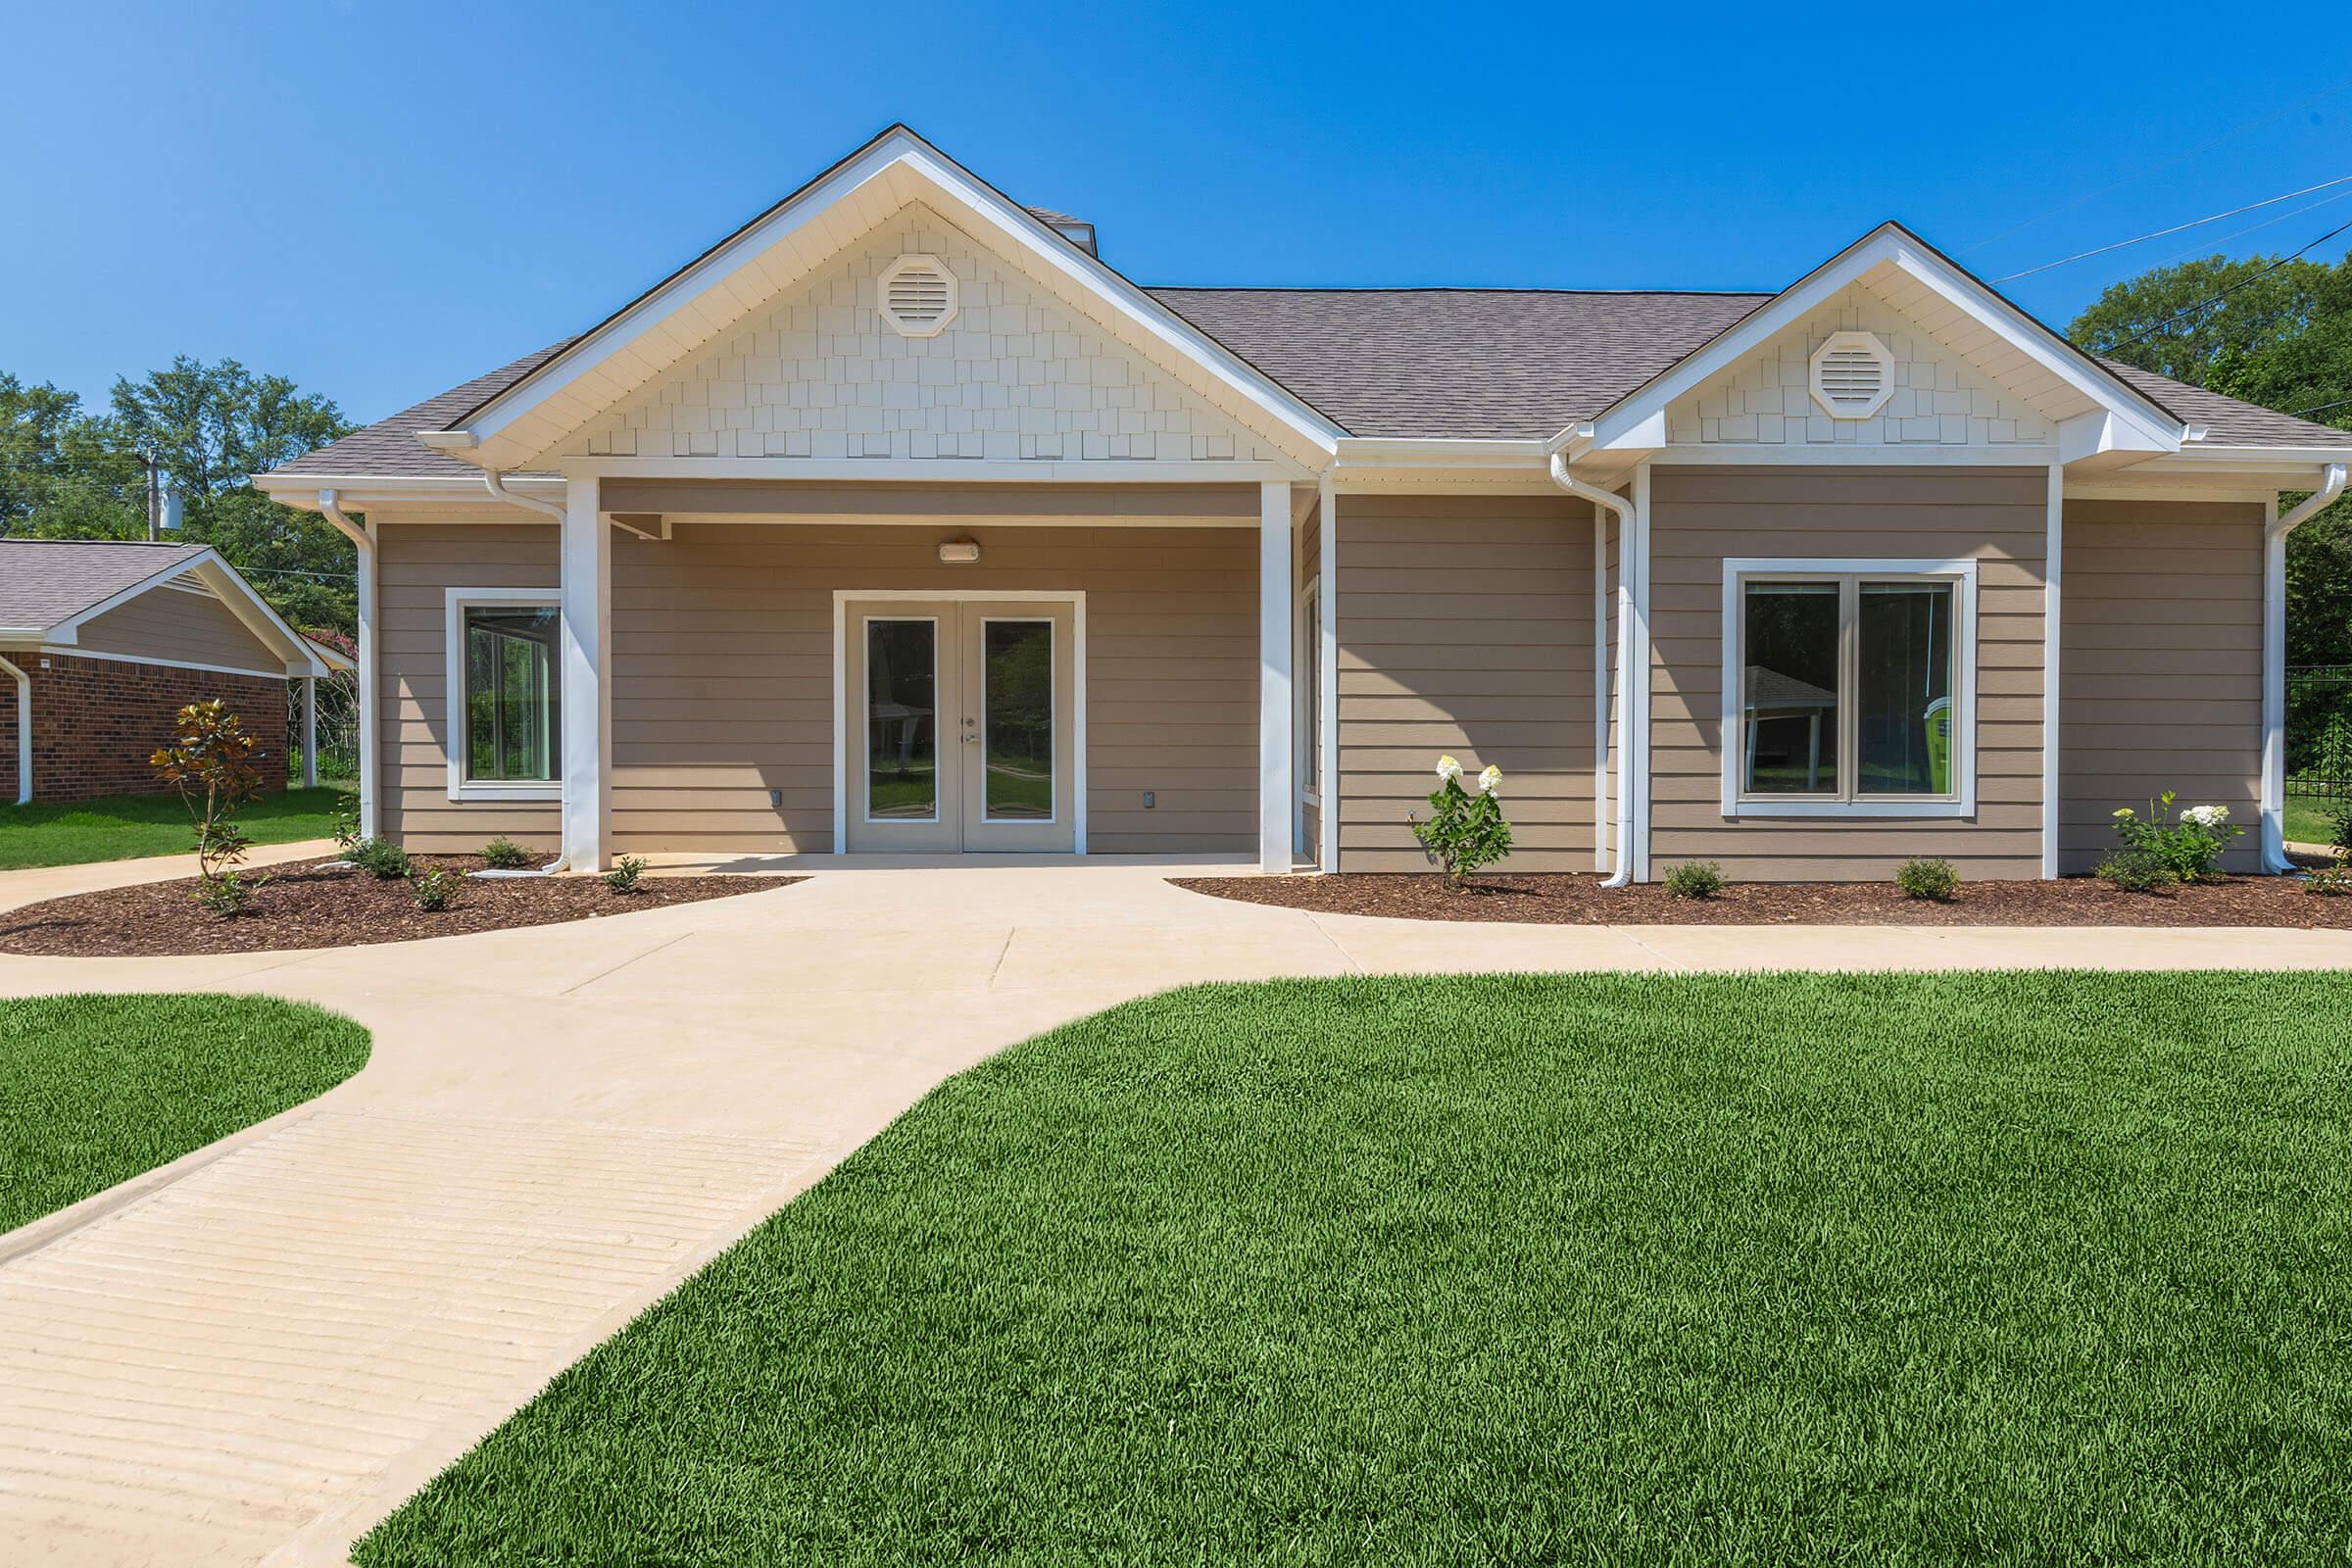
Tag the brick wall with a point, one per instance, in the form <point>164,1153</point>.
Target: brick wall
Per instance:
<point>95,722</point>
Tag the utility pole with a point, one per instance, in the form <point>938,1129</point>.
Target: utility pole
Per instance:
<point>155,497</point>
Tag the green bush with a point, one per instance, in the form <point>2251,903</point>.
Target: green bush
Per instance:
<point>2188,845</point>
<point>622,878</point>
<point>346,820</point>
<point>1694,879</point>
<point>2135,871</point>
<point>1928,877</point>
<point>2340,840</point>
<point>437,889</point>
<point>226,893</point>
<point>380,858</point>
<point>505,855</point>
<point>1464,831</point>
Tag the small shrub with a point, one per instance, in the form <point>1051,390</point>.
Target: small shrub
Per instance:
<point>346,821</point>
<point>437,890</point>
<point>2188,845</point>
<point>210,762</point>
<point>2330,881</point>
<point>380,858</point>
<point>505,855</point>
<point>1926,877</point>
<point>622,878</point>
<point>2135,871</point>
<point>1694,879</point>
<point>2340,840</point>
<point>226,893</point>
<point>1464,831</point>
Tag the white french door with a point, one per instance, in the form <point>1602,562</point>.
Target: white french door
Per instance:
<point>960,727</point>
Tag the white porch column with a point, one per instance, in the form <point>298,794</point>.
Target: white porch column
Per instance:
<point>1277,784</point>
<point>586,716</point>
<point>2053,786</point>
<point>309,732</point>
<point>1327,693</point>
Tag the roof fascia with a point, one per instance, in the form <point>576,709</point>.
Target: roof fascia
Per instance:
<point>249,607</point>
<point>897,152</point>
<point>2129,419</point>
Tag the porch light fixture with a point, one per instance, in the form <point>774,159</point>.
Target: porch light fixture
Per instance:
<point>960,552</point>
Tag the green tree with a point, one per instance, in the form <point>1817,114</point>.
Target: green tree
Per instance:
<point>2275,333</point>
<point>69,474</point>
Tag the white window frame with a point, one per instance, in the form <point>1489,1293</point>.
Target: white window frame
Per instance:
<point>455,603</point>
<point>1962,575</point>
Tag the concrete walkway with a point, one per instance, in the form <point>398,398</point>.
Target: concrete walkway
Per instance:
<point>257,1352</point>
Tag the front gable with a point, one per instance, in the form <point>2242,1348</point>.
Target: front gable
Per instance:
<point>1937,398</point>
<point>1013,375</point>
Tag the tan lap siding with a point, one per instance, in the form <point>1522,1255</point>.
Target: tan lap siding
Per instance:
<point>1465,626</point>
<point>722,649</point>
<point>1699,517</point>
<point>2161,684</point>
<point>184,628</point>
<point>417,564</point>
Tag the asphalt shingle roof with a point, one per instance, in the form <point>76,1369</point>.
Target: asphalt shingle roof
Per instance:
<point>1460,362</point>
<point>45,581</point>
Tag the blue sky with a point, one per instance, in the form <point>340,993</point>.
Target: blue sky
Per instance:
<point>381,201</point>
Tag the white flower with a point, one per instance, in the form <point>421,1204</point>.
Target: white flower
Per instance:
<point>1489,780</point>
<point>1449,769</point>
<point>2207,817</point>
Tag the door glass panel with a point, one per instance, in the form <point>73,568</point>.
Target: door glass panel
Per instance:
<point>1791,689</point>
<point>1905,690</point>
<point>1017,687</point>
<point>902,710</point>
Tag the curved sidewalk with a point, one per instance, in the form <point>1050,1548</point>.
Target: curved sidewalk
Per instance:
<point>258,1354</point>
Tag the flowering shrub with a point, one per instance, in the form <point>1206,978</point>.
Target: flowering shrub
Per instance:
<point>2331,881</point>
<point>2187,847</point>
<point>1464,831</point>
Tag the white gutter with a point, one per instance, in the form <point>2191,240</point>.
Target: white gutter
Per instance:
<point>2273,666</point>
<point>1623,871</point>
<point>497,482</point>
<point>24,732</point>
<point>370,695</point>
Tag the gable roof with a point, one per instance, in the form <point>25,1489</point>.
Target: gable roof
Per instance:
<point>49,587</point>
<point>1441,363</point>
<point>47,581</point>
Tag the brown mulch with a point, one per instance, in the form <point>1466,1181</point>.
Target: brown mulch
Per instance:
<point>304,904</point>
<point>1581,900</point>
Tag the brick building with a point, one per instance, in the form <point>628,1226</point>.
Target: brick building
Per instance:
<point>104,642</point>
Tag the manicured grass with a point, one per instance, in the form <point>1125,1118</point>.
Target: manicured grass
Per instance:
<point>2310,819</point>
<point>1760,1270</point>
<point>94,1089</point>
<point>117,827</point>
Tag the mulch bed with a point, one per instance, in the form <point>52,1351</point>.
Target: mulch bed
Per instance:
<point>1581,900</point>
<point>304,904</point>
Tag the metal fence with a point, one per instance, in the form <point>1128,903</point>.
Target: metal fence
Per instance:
<point>2319,730</point>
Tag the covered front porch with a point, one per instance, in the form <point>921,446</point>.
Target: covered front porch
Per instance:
<point>749,668</point>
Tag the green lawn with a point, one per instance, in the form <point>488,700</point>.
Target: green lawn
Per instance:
<point>117,827</point>
<point>1918,1270</point>
<point>2309,819</point>
<point>94,1089</point>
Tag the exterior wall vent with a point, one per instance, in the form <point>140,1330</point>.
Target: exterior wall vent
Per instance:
<point>916,296</point>
<point>1853,375</point>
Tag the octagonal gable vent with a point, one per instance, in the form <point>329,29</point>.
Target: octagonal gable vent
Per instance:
<point>916,296</point>
<point>1853,375</point>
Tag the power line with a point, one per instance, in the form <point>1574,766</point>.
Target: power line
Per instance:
<point>2213,246</point>
<point>2174,163</point>
<point>2339,403</point>
<point>2120,244</point>
<point>2223,294</point>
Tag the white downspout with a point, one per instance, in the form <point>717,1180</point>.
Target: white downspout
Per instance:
<point>2274,666</point>
<point>369,695</point>
<point>24,732</point>
<point>497,482</point>
<point>1623,871</point>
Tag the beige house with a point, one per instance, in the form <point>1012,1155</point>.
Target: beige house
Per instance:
<point>899,521</point>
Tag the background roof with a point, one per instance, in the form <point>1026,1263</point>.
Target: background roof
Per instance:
<point>45,581</point>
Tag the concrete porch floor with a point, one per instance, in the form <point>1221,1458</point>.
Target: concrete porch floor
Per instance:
<point>255,1354</point>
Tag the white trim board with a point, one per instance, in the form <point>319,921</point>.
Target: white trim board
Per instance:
<point>78,650</point>
<point>455,602</point>
<point>1963,574</point>
<point>1075,598</point>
